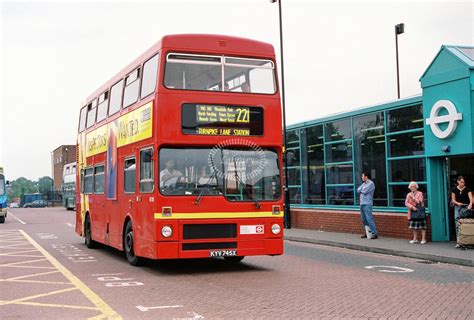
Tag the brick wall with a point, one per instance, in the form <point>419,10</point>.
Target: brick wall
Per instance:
<point>61,156</point>
<point>394,225</point>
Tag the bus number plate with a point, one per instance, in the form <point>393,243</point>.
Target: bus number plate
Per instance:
<point>223,253</point>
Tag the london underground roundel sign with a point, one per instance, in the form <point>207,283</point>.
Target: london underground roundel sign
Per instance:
<point>451,118</point>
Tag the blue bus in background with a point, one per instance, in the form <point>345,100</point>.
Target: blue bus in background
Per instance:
<point>3,197</point>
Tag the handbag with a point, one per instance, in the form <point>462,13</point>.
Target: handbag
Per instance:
<point>465,213</point>
<point>419,214</point>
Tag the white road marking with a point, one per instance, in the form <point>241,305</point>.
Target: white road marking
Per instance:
<point>142,308</point>
<point>69,224</point>
<point>19,220</point>
<point>390,269</point>
<point>194,315</point>
<point>106,274</point>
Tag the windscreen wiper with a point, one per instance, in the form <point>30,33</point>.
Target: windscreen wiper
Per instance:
<point>205,186</point>
<point>239,180</point>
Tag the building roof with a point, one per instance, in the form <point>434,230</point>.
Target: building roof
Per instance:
<point>464,53</point>
<point>413,100</point>
<point>450,58</point>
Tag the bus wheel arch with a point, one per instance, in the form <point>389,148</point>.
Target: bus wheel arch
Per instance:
<point>88,232</point>
<point>129,243</point>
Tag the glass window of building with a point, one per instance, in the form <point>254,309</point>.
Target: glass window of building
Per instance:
<point>338,130</point>
<point>129,175</point>
<point>405,152</point>
<point>406,144</point>
<point>294,165</point>
<point>369,153</point>
<point>316,188</point>
<point>406,170</point>
<point>339,174</point>
<point>341,195</point>
<point>405,118</point>
<point>399,192</point>
<point>339,152</point>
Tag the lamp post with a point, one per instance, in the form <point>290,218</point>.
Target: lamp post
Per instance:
<point>286,207</point>
<point>399,29</point>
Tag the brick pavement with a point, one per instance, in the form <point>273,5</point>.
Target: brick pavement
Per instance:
<point>307,282</point>
<point>434,251</point>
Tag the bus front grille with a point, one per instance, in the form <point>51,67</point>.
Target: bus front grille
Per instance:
<point>209,245</point>
<point>209,231</point>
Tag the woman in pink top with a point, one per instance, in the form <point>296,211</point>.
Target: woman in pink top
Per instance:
<point>414,199</point>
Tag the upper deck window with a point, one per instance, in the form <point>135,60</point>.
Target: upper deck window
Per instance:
<point>219,73</point>
<point>102,108</point>
<point>82,119</point>
<point>150,72</point>
<point>116,97</point>
<point>91,113</point>
<point>132,83</point>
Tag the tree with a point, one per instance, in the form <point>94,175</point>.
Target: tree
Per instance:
<point>21,186</point>
<point>45,184</point>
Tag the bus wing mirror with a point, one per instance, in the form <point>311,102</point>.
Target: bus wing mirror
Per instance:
<point>7,183</point>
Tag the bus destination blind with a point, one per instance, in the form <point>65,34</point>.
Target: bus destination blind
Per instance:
<point>221,120</point>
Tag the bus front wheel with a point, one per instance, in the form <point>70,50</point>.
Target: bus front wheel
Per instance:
<point>128,244</point>
<point>2,219</point>
<point>88,238</point>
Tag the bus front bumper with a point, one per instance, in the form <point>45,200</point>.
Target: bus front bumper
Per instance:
<point>175,250</point>
<point>3,212</point>
<point>242,237</point>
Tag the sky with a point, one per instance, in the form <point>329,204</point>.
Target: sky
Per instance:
<point>338,56</point>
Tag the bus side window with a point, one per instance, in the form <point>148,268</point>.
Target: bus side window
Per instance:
<point>99,179</point>
<point>132,84</point>
<point>89,181</point>
<point>116,97</point>
<point>150,72</point>
<point>82,181</point>
<point>102,108</point>
<point>82,119</point>
<point>129,175</point>
<point>146,170</point>
<point>91,113</point>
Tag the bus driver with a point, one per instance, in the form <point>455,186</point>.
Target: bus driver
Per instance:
<point>169,175</point>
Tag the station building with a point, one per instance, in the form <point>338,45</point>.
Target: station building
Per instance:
<point>427,138</point>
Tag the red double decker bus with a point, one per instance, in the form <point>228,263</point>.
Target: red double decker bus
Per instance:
<point>180,153</point>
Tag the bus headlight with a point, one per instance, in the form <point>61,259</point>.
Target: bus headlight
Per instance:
<point>276,228</point>
<point>166,231</point>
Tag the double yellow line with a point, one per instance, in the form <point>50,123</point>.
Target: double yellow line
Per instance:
<point>102,306</point>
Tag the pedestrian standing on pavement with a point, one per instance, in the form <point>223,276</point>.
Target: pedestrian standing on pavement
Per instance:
<point>413,202</point>
<point>461,196</point>
<point>366,191</point>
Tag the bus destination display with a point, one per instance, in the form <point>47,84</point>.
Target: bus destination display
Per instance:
<point>221,120</point>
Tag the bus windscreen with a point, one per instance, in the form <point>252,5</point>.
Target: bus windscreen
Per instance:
<point>218,73</point>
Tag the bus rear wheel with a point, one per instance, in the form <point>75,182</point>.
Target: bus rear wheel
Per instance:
<point>88,234</point>
<point>234,259</point>
<point>128,244</point>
